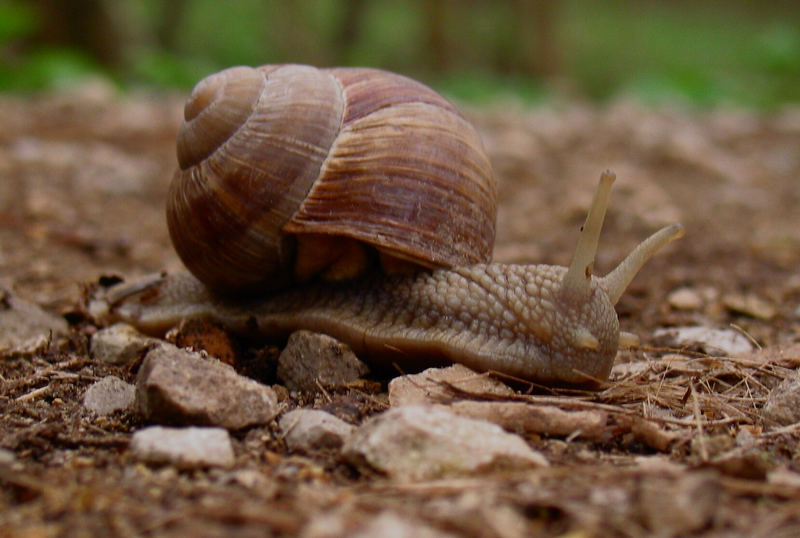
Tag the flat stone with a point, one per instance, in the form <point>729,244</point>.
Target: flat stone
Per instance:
<point>429,386</point>
<point>750,305</point>
<point>25,327</point>
<point>312,359</point>
<point>523,417</point>
<point>185,448</point>
<point>724,342</point>
<point>685,299</point>
<point>307,430</point>
<point>108,395</point>
<point>783,401</point>
<point>422,442</point>
<point>177,386</point>
<point>119,344</point>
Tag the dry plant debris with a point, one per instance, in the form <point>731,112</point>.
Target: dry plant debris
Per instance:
<point>685,439</point>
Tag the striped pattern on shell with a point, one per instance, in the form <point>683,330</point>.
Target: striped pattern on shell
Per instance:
<point>273,152</point>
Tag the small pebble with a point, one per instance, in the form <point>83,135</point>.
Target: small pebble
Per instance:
<point>307,430</point>
<point>185,448</point>
<point>119,344</point>
<point>25,327</point>
<point>178,386</point>
<point>312,359</point>
<point>108,395</point>
<point>685,299</point>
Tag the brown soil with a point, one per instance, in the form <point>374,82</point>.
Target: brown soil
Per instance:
<point>82,195</point>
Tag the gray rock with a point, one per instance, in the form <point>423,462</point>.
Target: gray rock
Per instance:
<point>428,386</point>
<point>783,402</point>
<point>307,430</point>
<point>310,358</point>
<point>725,342</point>
<point>119,344</point>
<point>185,448</point>
<point>108,395</point>
<point>176,386</point>
<point>24,326</point>
<point>426,442</point>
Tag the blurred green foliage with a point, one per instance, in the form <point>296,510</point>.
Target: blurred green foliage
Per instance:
<point>702,52</point>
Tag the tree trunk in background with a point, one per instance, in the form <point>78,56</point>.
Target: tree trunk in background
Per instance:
<point>347,34</point>
<point>169,18</point>
<point>537,41</point>
<point>435,13</point>
<point>86,25</point>
<point>546,61</point>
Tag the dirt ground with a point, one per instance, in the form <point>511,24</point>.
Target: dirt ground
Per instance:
<point>82,184</point>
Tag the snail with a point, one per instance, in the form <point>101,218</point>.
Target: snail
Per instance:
<point>360,204</point>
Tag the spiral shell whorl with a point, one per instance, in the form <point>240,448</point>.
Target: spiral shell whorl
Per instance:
<point>247,163</point>
<point>217,107</point>
<point>279,151</point>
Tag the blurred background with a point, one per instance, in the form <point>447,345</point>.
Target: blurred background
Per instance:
<point>702,52</point>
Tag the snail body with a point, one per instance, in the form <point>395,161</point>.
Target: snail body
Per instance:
<point>543,323</point>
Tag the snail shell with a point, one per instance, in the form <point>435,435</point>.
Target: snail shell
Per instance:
<point>284,168</point>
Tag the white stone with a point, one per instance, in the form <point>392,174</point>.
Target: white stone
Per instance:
<point>725,342</point>
<point>185,448</point>
<point>306,430</point>
<point>108,395</point>
<point>685,299</point>
<point>119,344</point>
<point>420,442</point>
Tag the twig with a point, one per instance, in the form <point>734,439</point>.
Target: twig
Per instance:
<point>701,438</point>
<point>322,389</point>
<point>33,394</point>
<point>746,335</point>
